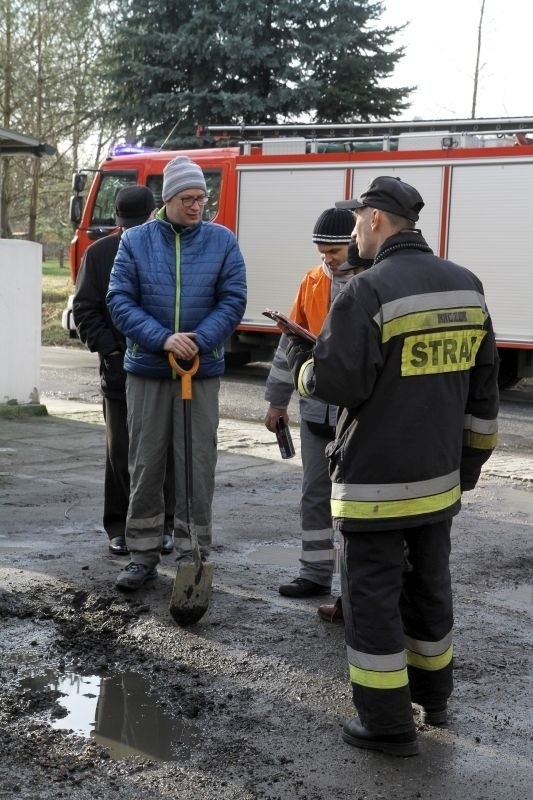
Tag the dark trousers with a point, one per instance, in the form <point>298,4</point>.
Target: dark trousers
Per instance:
<point>117,479</point>
<point>398,623</point>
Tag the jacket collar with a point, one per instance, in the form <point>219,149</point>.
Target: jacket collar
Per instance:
<point>404,240</point>
<point>176,230</point>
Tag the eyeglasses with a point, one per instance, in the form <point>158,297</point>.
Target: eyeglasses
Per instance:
<point>189,200</point>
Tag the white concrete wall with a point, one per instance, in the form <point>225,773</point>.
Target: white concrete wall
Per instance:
<point>20,320</point>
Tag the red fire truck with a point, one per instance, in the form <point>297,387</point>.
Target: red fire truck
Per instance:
<point>270,183</point>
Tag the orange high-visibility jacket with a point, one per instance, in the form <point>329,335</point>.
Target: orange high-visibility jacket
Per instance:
<point>312,301</point>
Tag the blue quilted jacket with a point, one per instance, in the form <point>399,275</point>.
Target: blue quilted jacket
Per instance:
<point>163,282</point>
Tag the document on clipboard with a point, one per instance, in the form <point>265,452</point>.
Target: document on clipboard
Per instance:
<point>293,327</point>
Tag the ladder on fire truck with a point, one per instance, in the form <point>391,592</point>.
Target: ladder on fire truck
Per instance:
<point>454,133</point>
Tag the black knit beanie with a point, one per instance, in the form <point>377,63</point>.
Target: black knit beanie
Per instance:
<point>334,226</point>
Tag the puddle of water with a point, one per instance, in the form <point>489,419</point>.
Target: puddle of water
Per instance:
<point>275,554</point>
<point>118,712</point>
<point>521,595</point>
<point>515,501</point>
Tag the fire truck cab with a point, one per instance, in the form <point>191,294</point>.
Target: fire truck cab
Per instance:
<point>270,183</point>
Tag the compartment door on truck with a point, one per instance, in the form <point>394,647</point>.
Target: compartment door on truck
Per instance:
<point>277,211</point>
<point>491,233</point>
<point>427,178</point>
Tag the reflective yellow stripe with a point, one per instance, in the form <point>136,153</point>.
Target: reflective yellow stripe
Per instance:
<point>481,441</point>
<point>432,319</point>
<point>480,433</point>
<point>378,680</point>
<point>302,390</point>
<point>434,353</point>
<point>360,509</point>
<point>430,663</point>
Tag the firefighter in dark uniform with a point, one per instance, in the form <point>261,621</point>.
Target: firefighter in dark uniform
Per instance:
<point>408,352</point>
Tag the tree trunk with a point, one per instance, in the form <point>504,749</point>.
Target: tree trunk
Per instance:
<point>34,199</point>
<point>36,166</point>
<point>6,118</point>
<point>476,71</point>
<point>5,230</point>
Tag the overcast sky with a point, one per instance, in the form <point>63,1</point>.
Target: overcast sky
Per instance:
<point>440,51</point>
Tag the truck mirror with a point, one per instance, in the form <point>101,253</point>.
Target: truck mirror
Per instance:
<point>79,179</point>
<point>76,207</point>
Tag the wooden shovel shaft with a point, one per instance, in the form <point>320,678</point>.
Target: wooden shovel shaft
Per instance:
<point>186,396</point>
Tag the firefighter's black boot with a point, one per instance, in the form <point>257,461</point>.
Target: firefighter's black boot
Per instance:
<point>399,744</point>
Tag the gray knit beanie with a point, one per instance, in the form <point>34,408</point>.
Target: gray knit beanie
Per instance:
<point>334,226</point>
<point>182,173</point>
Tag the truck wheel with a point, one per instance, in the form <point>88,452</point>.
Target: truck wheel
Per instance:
<point>508,370</point>
<point>237,359</point>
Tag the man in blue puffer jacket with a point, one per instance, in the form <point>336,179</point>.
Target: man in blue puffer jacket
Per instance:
<point>178,285</point>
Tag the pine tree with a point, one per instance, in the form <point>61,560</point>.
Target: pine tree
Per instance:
<point>348,71</point>
<point>174,65</point>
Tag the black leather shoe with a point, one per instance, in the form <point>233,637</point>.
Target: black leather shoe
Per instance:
<point>117,545</point>
<point>300,587</point>
<point>168,543</point>
<point>399,744</point>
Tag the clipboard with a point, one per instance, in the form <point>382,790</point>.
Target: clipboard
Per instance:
<point>293,327</point>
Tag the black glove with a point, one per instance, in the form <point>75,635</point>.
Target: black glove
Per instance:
<point>298,352</point>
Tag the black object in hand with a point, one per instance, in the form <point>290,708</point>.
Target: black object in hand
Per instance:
<point>283,435</point>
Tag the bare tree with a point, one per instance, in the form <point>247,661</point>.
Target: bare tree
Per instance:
<point>39,97</point>
<point>50,88</point>
<point>5,176</point>
<point>477,69</point>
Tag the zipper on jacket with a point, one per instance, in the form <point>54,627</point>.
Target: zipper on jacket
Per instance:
<point>178,283</point>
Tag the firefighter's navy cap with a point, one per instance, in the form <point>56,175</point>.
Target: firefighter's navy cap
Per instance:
<point>133,206</point>
<point>388,194</point>
<point>354,260</point>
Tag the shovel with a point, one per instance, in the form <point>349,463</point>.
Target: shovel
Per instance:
<point>192,584</point>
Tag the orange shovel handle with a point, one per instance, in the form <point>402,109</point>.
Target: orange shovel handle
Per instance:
<point>185,374</point>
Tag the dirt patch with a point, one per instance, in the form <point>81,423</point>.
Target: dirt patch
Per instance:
<point>250,700</point>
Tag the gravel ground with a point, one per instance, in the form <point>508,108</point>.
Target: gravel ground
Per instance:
<point>248,703</point>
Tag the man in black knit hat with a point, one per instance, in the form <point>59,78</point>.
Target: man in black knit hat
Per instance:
<point>319,287</point>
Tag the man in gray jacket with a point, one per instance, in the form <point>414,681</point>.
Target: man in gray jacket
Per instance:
<point>319,286</point>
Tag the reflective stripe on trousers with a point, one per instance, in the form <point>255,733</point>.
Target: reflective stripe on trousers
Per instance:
<point>155,417</point>
<point>317,555</point>
<point>398,623</point>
